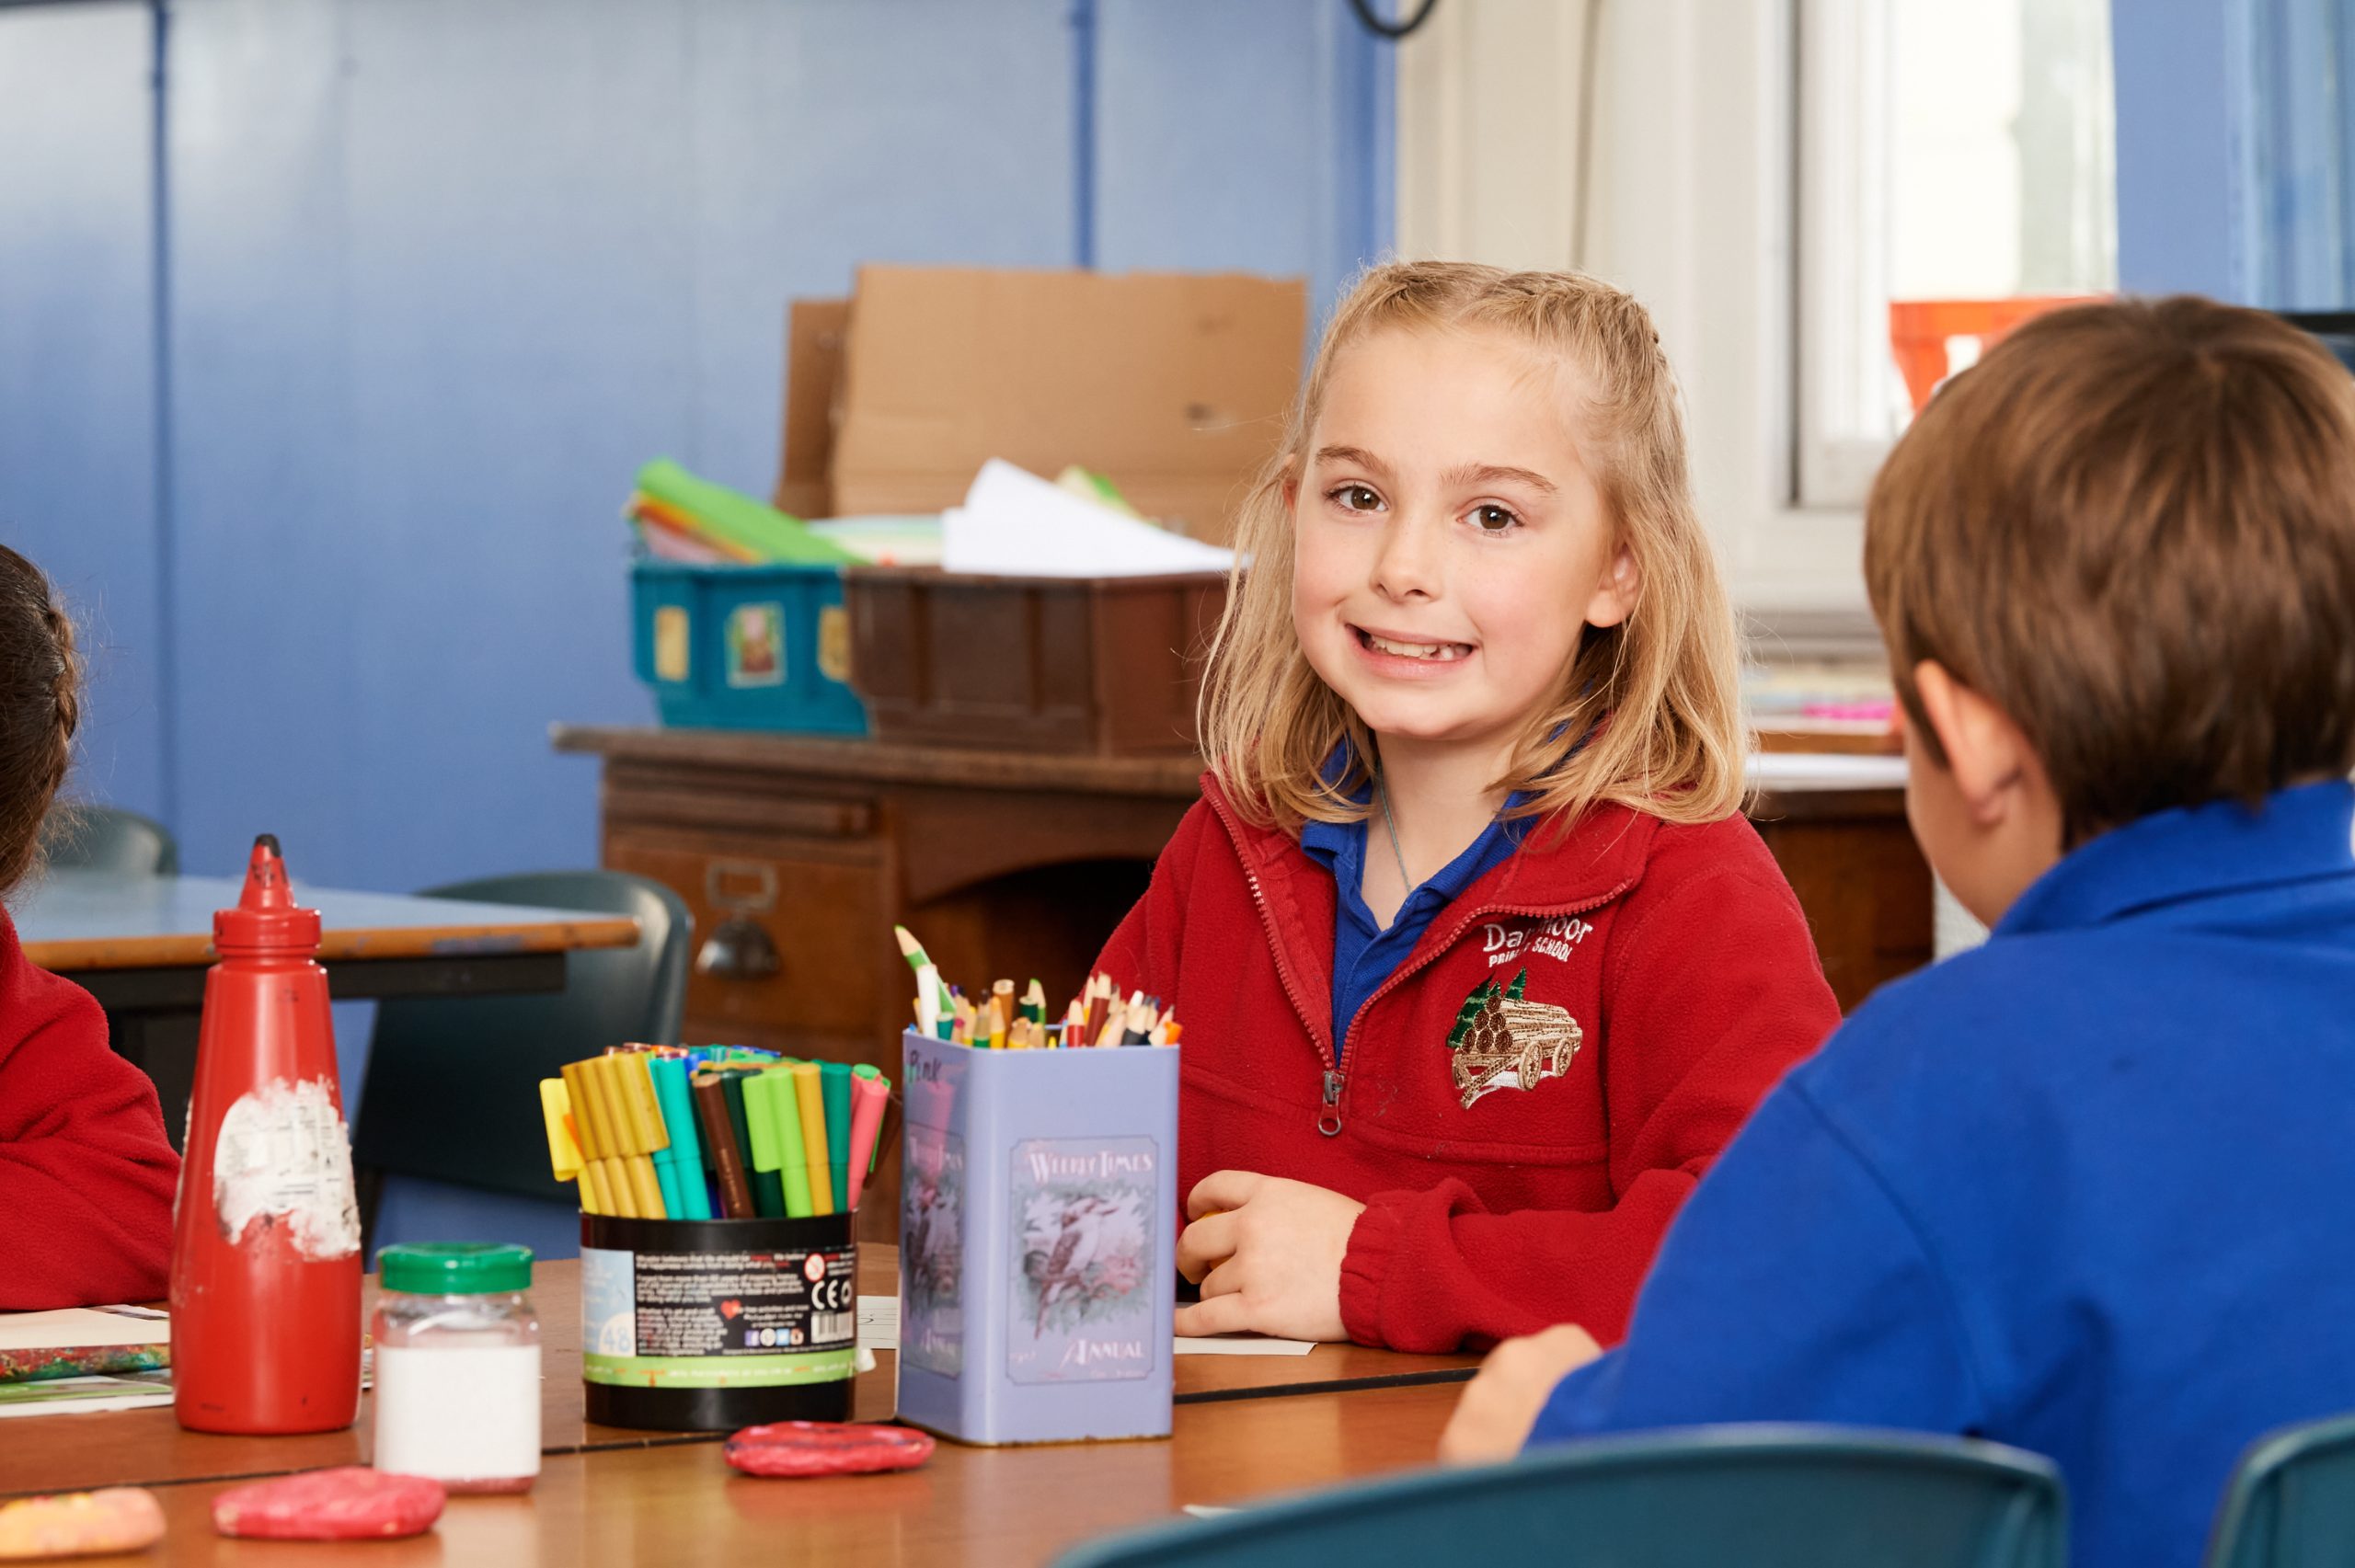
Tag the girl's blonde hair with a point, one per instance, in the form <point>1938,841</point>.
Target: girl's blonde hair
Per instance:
<point>1665,679</point>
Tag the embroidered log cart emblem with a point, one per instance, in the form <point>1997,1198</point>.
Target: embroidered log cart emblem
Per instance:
<point>1500,1041</point>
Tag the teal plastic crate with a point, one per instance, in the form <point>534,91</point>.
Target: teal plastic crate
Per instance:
<point>745,648</point>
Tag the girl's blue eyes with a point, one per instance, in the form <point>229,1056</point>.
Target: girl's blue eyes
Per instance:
<point>1487,518</point>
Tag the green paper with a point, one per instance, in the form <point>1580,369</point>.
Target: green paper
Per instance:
<point>738,519</point>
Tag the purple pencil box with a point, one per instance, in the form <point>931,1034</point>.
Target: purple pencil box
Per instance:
<point>1037,1264</point>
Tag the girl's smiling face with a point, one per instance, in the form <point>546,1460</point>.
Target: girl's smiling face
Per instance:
<point>1451,544</point>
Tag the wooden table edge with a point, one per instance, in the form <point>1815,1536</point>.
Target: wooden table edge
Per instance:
<point>190,950</point>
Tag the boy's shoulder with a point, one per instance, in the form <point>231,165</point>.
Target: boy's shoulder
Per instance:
<point>2023,1019</point>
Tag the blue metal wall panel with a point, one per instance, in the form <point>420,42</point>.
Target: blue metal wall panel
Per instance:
<point>1250,134</point>
<point>2186,219</point>
<point>443,272</point>
<point>77,417</point>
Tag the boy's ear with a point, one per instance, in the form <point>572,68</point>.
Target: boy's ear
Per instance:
<point>1988,755</point>
<point>1615,595</point>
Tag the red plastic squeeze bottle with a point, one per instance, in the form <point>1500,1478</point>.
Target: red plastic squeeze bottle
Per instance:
<point>266,1245</point>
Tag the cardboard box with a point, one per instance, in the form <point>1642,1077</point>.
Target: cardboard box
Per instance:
<point>1175,386</point>
<point>816,332</point>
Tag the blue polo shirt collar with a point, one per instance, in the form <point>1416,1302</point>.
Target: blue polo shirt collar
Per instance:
<point>2306,833</point>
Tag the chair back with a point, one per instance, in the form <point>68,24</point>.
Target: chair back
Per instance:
<point>452,1084</point>
<point>109,839</point>
<point>1700,1497</point>
<point>2290,1503</point>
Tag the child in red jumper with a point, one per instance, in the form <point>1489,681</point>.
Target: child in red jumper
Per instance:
<point>1478,963</point>
<point>86,1172</point>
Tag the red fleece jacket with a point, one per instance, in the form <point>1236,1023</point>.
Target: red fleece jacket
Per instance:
<point>1512,1178</point>
<point>86,1174</point>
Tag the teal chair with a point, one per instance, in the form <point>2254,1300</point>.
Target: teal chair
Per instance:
<point>452,1086</point>
<point>109,839</point>
<point>1703,1497</point>
<point>2290,1503</point>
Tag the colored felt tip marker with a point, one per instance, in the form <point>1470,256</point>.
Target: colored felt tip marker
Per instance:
<point>775,1086</point>
<point>669,1075</point>
<point>810,1095</point>
<point>564,1145</point>
<point>608,1184</point>
<point>868,1096</point>
<point>833,1078</point>
<point>765,1150</point>
<point>719,1136</point>
<point>644,1108</point>
<point>633,1141</point>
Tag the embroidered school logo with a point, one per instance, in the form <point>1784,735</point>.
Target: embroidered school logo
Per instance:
<point>1555,938</point>
<point>1500,1041</point>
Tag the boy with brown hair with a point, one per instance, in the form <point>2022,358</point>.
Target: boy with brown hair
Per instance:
<point>2083,1189</point>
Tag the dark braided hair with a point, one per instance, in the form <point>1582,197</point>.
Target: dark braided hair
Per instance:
<point>41,704</point>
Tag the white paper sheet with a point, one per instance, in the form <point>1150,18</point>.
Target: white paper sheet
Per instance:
<point>83,1328</point>
<point>1243,1344</point>
<point>1016,524</point>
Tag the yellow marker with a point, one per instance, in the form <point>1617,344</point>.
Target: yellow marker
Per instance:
<point>632,1148</point>
<point>564,1149</point>
<point>597,1147</point>
<point>593,1184</point>
<point>809,1094</point>
<point>644,1108</point>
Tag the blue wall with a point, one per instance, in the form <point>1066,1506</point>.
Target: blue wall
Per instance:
<point>78,474</point>
<point>2236,150</point>
<point>438,274</point>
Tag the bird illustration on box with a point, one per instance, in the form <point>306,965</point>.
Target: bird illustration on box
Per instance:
<point>1503,1041</point>
<point>1075,1249</point>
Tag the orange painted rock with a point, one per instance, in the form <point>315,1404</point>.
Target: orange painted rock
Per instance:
<point>824,1448</point>
<point>80,1524</point>
<point>351,1504</point>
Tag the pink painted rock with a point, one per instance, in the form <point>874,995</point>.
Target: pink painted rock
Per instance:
<point>80,1524</point>
<point>824,1448</point>
<point>351,1504</point>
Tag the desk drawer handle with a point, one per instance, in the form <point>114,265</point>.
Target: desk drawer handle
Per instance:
<point>718,875</point>
<point>737,949</point>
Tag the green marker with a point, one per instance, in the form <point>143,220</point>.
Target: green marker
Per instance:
<point>760,1156</point>
<point>740,1117</point>
<point>776,1086</point>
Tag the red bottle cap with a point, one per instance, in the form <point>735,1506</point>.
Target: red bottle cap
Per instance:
<point>267,918</point>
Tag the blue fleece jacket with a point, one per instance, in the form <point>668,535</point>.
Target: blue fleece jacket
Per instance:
<point>2085,1190</point>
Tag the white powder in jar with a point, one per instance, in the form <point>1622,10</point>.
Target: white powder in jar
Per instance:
<point>459,1414</point>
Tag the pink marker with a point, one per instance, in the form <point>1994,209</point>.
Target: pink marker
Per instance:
<point>866,1100</point>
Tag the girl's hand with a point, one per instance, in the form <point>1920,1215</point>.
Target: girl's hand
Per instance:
<point>1268,1254</point>
<point>1501,1404</point>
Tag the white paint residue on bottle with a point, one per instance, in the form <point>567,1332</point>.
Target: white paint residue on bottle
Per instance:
<point>454,1413</point>
<point>283,1155</point>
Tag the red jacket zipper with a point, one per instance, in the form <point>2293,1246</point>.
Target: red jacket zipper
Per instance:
<point>1336,1078</point>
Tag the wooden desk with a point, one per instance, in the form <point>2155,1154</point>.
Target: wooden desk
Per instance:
<point>147,1447</point>
<point>993,1506</point>
<point>1021,864</point>
<point>141,946</point>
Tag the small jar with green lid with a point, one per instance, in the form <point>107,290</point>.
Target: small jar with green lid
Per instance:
<point>457,1346</point>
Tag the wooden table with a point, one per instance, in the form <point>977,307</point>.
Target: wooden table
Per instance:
<point>147,1447</point>
<point>983,1506</point>
<point>1246,1426</point>
<point>141,945</point>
